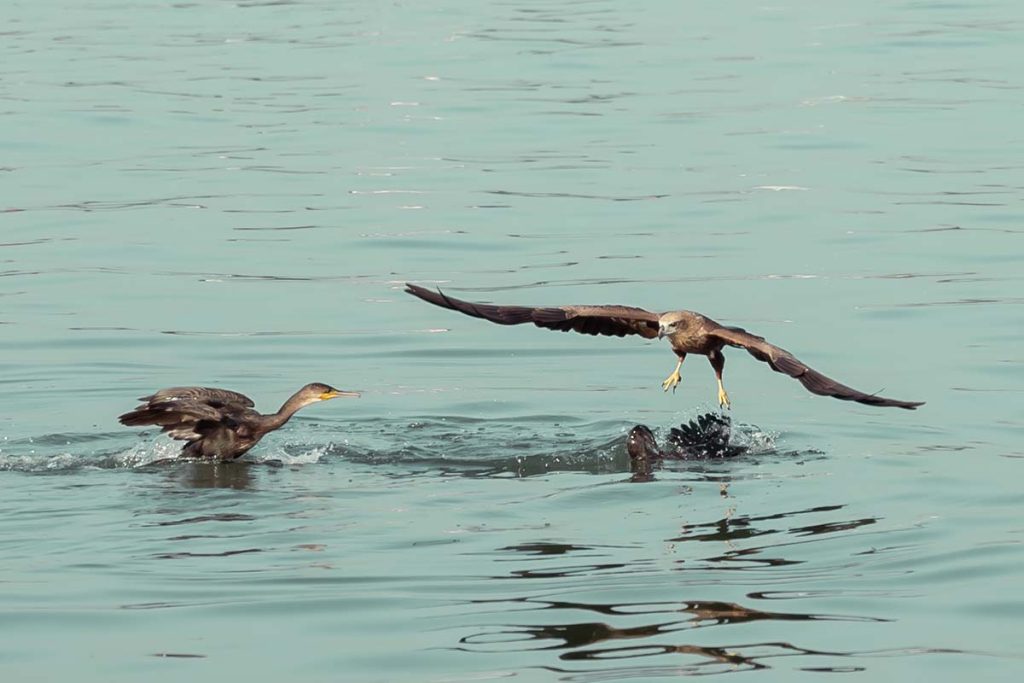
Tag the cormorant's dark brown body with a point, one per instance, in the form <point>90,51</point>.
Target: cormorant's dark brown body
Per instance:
<point>687,332</point>
<point>705,437</point>
<point>217,423</point>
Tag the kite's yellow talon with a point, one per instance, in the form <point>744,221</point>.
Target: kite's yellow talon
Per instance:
<point>672,381</point>
<point>723,398</point>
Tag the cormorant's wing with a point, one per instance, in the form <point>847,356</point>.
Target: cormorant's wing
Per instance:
<point>181,419</point>
<point>706,436</point>
<point>613,321</point>
<point>209,395</point>
<point>783,361</point>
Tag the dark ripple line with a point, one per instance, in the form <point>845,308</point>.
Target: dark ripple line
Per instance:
<point>702,612</point>
<point>216,517</point>
<point>226,553</point>
<point>281,227</point>
<point>569,195</point>
<point>723,654</point>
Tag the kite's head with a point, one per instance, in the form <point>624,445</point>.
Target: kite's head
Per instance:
<point>675,322</point>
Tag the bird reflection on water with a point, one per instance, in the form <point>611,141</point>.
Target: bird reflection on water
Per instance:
<point>579,638</point>
<point>540,622</point>
<point>216,475</point>
<point>194,473</point>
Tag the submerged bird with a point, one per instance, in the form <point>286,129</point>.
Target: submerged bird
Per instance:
<point>687,332</point>
<point>218,423</point>
<point>705,437</point>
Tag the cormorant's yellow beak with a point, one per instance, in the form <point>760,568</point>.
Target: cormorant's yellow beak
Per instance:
<point>334,393</point>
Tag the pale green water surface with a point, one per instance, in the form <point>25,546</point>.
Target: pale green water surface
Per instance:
<point>232,194</point>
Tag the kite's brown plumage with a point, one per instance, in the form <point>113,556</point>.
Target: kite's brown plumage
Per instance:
<point>688,332</point>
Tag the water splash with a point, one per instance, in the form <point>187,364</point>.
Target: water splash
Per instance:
<point>520,447</point>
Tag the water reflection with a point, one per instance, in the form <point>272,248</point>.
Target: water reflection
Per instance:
<point>579,638</point>
<point>713,659</point>
<point>645,629</point>
<point>213,517</point>
<point>732,528</point>
<point>195,474</point>
<point>546,548</point>
<point>698,614</point>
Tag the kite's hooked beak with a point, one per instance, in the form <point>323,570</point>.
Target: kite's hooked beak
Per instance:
<point>661,332</point>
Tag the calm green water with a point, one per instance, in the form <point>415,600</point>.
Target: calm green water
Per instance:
<point>231,194</point>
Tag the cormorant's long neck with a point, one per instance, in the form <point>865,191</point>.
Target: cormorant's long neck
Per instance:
<point>275,420</point>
